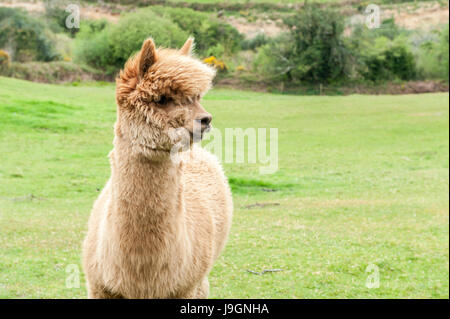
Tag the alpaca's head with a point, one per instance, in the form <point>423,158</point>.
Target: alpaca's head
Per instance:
<point>159,90</point>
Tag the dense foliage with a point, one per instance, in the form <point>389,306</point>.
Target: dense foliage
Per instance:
<point>25,37</point>
<point>382,54</point>
<point>108,46</point>
<point>313,50</point>
<point>433,55</point>
<point>212,36</point>
<point>318,45</point>
<point>56,16</point>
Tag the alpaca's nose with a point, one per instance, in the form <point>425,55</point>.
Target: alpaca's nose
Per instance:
<point>205,120</point>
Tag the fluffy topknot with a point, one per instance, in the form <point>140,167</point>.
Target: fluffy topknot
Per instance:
<point>152,73</point>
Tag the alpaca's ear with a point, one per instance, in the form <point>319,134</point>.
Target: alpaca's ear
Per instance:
<point>148,56</point>
<point>187,47</point>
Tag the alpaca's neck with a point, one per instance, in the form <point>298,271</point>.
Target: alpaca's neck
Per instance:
<point>147,193</point>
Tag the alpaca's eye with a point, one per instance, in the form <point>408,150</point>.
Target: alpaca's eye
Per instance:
<point>163,100</point>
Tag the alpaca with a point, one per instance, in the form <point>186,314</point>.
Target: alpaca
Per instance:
<point>158,225</point>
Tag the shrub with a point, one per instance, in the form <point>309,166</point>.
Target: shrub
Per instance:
<point>25,37</point>
<point>55,12</point>
<point>4,61</point>
<point>273,59</point>
<point>127,36</point>
<point>388,60</point>
<point>209,32</point>
<point>313,51</point>
<point>255,42</point>
<point>433,55</point>
<point>218,64</point>
<point>108,46</point>
<point>383,54</point>
<point>93,48</point>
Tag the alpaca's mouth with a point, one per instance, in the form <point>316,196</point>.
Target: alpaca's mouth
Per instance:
<point>198,135</point>
<point>208,128</point>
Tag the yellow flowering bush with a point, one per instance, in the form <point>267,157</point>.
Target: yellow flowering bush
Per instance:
<point>4,60</point>
<point>218,64</point>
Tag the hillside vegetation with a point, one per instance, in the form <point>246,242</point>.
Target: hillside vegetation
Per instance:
<point>287,47</point>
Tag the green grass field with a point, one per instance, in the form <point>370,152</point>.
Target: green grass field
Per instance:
<point>362,180</point>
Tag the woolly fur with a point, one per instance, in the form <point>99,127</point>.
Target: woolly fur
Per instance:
<point>158,225</point>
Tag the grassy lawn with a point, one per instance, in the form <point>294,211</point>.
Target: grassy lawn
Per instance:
<point>362,180</point>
